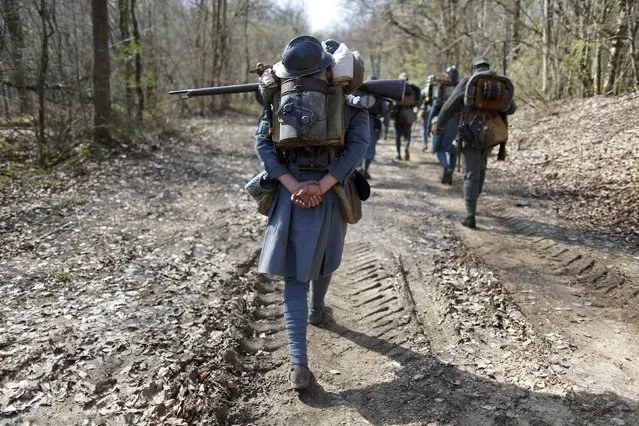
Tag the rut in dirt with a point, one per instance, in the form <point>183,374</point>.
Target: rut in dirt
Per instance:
<point>431,323</point>
<point>430,326</point>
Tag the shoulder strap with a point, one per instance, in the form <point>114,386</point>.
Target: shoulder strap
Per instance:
<point>304,84</point>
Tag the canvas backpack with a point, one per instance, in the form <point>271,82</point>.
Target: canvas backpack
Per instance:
<point>412,94</point>
<point>488,97</point>
<point>442,90</point>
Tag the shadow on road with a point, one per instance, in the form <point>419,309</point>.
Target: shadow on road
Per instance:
<point>429,390</point>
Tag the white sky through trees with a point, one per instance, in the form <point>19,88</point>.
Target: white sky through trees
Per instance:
<point>321,14</point>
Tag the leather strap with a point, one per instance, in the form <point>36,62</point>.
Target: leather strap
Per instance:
<point>304,84</point>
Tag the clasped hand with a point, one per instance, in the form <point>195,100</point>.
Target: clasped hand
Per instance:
<point>308,194</point>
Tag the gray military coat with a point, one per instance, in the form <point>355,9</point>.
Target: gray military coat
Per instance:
<point>308,243</point>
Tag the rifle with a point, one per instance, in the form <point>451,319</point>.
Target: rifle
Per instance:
<point>391,89</point>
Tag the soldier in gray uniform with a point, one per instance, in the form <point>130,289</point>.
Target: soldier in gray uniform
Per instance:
<point>404,114</point>
<point>304,237</point>
<point>427,101</point>
<point>474,157</point>
<point>375,106</point>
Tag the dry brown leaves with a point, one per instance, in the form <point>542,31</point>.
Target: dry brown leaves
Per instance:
<point>584,156</point>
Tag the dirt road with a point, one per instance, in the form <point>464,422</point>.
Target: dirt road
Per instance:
<point>129,296</point>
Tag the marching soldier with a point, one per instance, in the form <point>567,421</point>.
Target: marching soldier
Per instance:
<point>482,125</point>
<point>404,114</point>
<point>304,238</point>
<point>375,106</point>
<point>443,145</point>
<point>427,100</point>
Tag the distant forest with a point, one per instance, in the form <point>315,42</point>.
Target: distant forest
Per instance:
<point>95,70</point>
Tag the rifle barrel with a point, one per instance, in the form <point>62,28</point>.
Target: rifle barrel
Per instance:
<point>393,89</point>
<point>221,90</point>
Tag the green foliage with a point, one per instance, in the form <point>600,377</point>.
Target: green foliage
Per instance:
<point>414,66</point>
<point>525,73</point>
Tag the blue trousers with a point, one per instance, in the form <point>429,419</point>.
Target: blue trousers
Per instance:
<point>425,131</point>
<point>296,309</point>
<point>447,159</point>
<point>443,146</point>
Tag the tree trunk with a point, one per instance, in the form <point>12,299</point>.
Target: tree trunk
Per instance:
<point>634,55</point>
<point>43,65</point>
<point>516,25</point>
<point>138,63</point>
<point>615,48</point>
<point>247,58</point>
<point>11,11</point>
<point>546,40</point>
<point>126,52</point>
<point>101,71</point>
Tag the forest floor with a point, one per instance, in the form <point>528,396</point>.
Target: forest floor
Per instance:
<point>129,294</point>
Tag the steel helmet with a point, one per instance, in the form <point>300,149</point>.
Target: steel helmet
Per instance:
<point>302,56</point>
<point>452,73</point>
<point>430,78</point>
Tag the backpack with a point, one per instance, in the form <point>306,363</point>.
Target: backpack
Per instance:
<point>412,94</point>
<point>309,111</point>
<point>488,97</point>
<point>407,115</point>
<point>442,90</point>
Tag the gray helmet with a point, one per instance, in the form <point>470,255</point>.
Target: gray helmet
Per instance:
<point>452,73</point>
<point>302,56</point>
<point>430,78</point>
<point>330,45</point>
<point>480,61</point>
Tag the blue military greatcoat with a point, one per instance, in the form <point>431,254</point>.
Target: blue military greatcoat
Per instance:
<point>306,243</point>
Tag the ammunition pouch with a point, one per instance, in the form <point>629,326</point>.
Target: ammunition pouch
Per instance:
<point>349,200</point>
<point>262,189</point>
<point>470,133</point>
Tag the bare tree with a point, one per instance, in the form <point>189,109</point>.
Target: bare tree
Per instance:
<point>126,50</point>
<point>11,11</point>
<point>43,66</point>
<point>138,62</point>
<point>101,71</point>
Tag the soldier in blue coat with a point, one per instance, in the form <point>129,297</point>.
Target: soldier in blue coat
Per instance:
<point>375,106</point>
<point>427,101</point>
<point>443,144</point>
<point>304,237</point>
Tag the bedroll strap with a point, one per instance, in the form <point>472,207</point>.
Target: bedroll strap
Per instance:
<point>304,84</point>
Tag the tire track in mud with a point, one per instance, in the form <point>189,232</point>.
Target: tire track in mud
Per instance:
<point>582,298</point>
<point>370,335</point>
<point>594,279</point>
<point>423,332</point>
<point>369,295</point>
